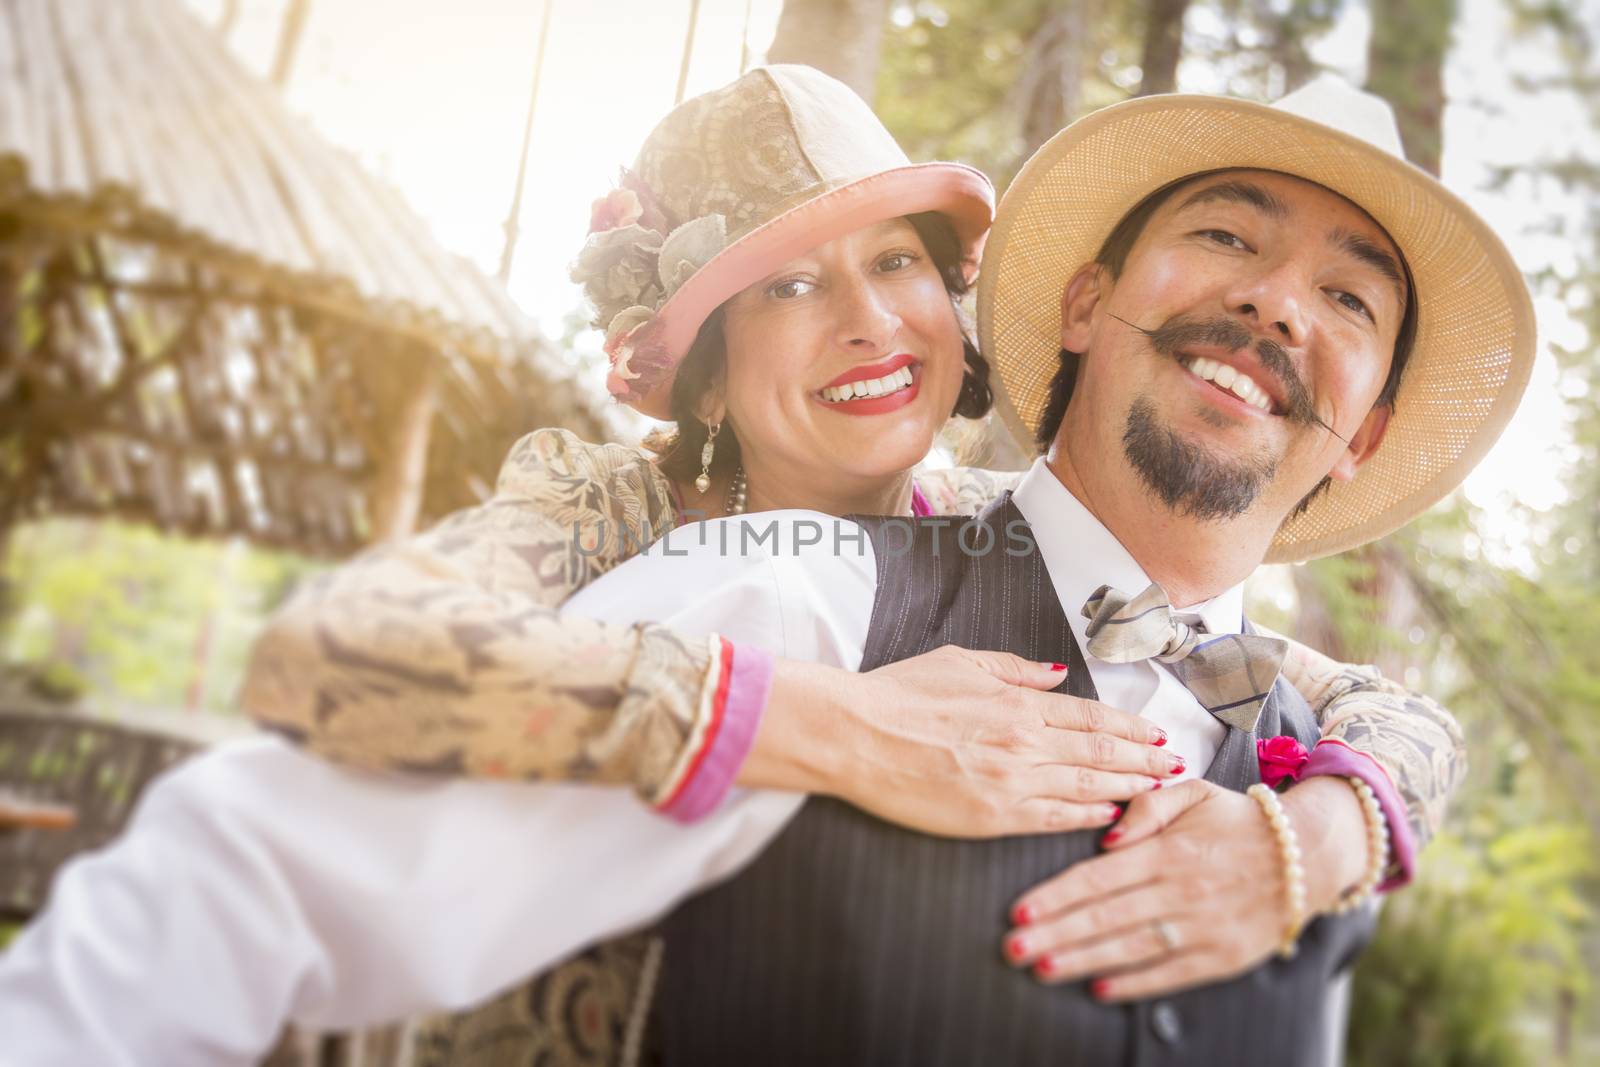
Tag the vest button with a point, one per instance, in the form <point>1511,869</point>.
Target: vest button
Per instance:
<point>1166,1023</point>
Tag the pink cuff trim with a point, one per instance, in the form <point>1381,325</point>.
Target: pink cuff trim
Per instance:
<point>740,701</point>
<point>1332,756</point>
<point>919,503</point>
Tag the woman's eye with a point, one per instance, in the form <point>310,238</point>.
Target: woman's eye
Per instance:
<point>1353,302</point>
<point>895,261</point>
<point>1223,237</point>
<point>790,289</point>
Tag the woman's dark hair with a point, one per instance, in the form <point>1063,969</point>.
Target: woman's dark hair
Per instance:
<point>1113,256</point>
<point>679,449</point>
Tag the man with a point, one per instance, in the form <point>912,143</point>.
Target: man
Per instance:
<point>1236,340</point>
<point>1270,300</point>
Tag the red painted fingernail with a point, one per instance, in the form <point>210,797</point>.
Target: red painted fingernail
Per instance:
<point>1022,915</point>
<point>1016,947</point>
<point>1178,764</point>
<point>1155,785</point>
<point>1100,988</point>
<point>1044,968</point>
<point>1161,738</point>
<point>1113,813</point>
<point>1110,837</point>
<point>1058,666</point>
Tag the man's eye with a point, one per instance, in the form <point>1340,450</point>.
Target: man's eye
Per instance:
<point>790,289</point>
<point>1353,302</point>
<point>1223,237</point>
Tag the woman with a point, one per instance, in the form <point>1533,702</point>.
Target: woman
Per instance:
<point>710,268</point>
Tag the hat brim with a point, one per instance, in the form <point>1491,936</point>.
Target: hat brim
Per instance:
<point>962,193</point>
<point>1475,339</point>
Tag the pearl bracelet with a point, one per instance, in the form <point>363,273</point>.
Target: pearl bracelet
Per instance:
<point>1377,850</point>
<point>1294,872</point>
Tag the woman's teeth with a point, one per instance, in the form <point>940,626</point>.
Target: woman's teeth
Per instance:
<point>1225,377</point>
<point>889,383</point>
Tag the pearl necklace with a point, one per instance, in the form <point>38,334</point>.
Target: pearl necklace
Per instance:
<point>738,490</point>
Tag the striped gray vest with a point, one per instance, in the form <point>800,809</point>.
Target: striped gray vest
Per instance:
<point>853,941</point>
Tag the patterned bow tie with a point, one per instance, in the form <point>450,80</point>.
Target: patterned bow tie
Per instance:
<point>1229,674</point>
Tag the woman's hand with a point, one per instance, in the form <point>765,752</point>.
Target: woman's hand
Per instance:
<point>1190,891</point>
<point>956,742</point>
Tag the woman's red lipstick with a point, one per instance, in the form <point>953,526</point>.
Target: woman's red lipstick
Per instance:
<point>875,405</point>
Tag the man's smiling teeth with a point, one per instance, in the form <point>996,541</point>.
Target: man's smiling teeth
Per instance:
<point>889,383</point>
<point>1225,377</point>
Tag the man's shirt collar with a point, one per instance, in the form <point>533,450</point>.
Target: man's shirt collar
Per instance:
<point>1081,555</point>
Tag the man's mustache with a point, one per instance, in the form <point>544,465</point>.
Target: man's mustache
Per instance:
<point>1180,332</point>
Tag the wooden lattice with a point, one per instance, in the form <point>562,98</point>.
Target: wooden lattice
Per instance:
<point>99,769</point>
<point>138,382</point>
<point>96,768</point>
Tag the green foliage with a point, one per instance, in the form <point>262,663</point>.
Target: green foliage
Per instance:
<point>1457,954</point>
<point>950,68</point>
<point>122,613</point>
<point>1265,46</point>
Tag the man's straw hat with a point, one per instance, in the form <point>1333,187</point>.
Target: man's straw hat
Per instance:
<point>1475,330</point>
<point>729,187</point>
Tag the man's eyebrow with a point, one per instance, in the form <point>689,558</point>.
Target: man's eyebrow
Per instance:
<point>1239,191</point>
<point>1373,255</point>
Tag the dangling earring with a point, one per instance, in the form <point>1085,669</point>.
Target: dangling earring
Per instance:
<point>707,450</point>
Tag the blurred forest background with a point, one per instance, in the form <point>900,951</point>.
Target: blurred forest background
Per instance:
<point>1494,609</point>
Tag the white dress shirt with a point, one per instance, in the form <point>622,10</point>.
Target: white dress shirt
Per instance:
<point>1081,555</point>
<point>257,885</point>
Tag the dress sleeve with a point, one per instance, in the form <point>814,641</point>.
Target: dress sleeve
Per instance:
<point>964,490</point>
<point>446,653</point>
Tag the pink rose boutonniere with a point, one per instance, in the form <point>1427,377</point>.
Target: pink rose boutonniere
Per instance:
<point>1281,757</point>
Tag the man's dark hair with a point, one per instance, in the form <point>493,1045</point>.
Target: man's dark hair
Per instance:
<point>679,450</point>
<point>1113,256</point>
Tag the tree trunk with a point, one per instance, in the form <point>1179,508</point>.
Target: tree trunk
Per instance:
<point>1388,601</point>
<point>8,588</point>
<point>1163,46</point>
<point>1566,1011</point>
<point>1287,50</point>
<point>1314,624</point>
<point>1050,88</point>
<point>1405,66</point>
<point>838,37</point>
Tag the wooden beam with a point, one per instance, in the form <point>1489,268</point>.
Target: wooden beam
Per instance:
<point>744,39</point>
<point>226,20</point>
<point>688,52</point>
<point>513,221</point>
<point>290,32</point>
<point>403,468</point>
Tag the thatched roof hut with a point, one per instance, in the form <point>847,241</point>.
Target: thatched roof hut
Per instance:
<point>213,320</point>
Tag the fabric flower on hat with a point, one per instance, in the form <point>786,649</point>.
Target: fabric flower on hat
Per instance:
<point>617,269</point>
<point>619,337</point>
<point>1280,758</point>
<point>638,355</point>
<point>650,214</point>
<point>690,247</point>
<point>618,208</point>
